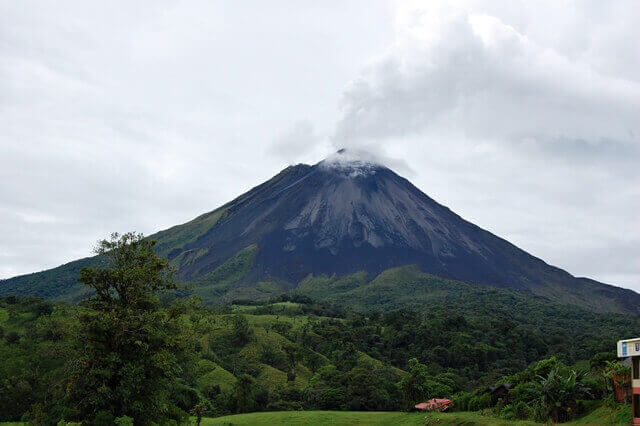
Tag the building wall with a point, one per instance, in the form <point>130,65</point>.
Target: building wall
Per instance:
<point>629,348</point>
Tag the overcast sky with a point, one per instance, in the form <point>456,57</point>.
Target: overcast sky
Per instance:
<point>522,117</point>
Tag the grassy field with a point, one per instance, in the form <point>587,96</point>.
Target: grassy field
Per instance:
<point>605,416</point>
<point>356,418</point>
<point>600,416</point>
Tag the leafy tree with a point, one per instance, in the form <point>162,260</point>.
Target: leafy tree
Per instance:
<point>128,349</point>
<point>345,357</point>
<point>241,330</point>
<point>599,360</point>
<point>418,385</point>
<point>243,394</point>
<point>199,411</point>
<point>369,389</point>
<point>43,308</point>
<point>556,394</point>
<point>314,361</point>
<point>325,390</point>
<point>292,354</point>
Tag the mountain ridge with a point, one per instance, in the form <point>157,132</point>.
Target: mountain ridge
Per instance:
<point>342,216</point>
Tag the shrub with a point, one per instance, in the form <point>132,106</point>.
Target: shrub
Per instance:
<point>44,308</point>
<point>461,401</point>
<point>284,406</point>
<point>516,411</point>
<point>103,418</point>
<point>12,338</point>
<point>123,421</point>
<point>557,394</point>
<point>479,402</point>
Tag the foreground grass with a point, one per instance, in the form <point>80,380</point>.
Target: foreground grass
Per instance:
<point>599,416</point>
<point>606,416</point>
<point>357,418</point>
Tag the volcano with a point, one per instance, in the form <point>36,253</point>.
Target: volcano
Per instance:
<point>344,215</point>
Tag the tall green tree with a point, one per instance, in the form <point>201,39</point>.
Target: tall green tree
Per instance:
<point>243,394</point>
<point>129,349</point>
<point>419,386</point>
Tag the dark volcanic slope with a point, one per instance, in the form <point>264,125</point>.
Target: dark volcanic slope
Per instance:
<point>343,216</point>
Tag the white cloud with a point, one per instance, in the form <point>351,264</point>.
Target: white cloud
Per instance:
<point>139,116</point>
<point>478,76</point>
<point>520,116</point>
<point>521,126</point>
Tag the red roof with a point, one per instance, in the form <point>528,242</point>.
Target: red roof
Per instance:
<point>434,404</point>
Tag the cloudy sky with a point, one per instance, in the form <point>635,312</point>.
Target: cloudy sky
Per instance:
<point>523,117</point>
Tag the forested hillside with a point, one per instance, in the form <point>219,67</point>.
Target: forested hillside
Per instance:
<point>292,353</point>
<point>139,346</point>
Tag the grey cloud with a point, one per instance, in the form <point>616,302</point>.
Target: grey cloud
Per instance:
<point>521,117</point>
<point>486,80</point>
<point>520,125</point>
<point>139,116</point>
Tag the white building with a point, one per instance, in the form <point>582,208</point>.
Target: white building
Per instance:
<point>631,348</point>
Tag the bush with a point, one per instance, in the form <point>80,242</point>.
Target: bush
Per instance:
<point>479,402</point>
<point>185,397</point>
<point>284,406</point>
<point>123,421</point>
<point>524,392</point>
<point>557,394</point>
<point>516,411</point>
<point>211,391</point>
<point>599,360</point>
<point>44,308</point>
<point>461,401</point>
<point>103,418</point>
<point>12,338</point>
<point>436,389</point>
<point>11,300</point>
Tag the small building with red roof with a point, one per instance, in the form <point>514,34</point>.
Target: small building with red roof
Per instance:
<point>435,404</point>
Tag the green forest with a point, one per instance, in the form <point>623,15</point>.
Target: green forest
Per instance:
<point>138,351</point>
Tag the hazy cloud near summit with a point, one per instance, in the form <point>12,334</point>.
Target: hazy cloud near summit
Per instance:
<point>520,116</point>
<point>535,107</point>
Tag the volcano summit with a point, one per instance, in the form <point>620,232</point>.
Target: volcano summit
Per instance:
<point>343,217</point>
